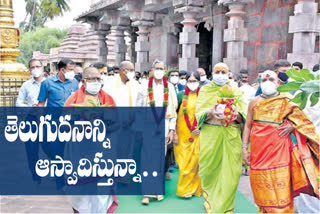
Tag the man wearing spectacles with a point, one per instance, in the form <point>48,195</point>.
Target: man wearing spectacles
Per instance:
<point>90,93</point>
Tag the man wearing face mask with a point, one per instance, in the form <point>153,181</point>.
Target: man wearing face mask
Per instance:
<point>231,79</point>
<point>203,77</point>
<point>220,145</point>
<point>161,93</point>
<point>182,79</point>
<point>124,89</point>
<point>174,79</point>
<point>248,91</point>
<point>91,89</point>
<point>280,68</point>
<point>56,89</point>
<point>284,149</point>
<point>29,91</point>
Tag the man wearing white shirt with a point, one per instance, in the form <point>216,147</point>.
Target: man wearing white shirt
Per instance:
<point>124,89</point>
<point>161,93</point>
<point>248,91</point>
<point>29,91</point>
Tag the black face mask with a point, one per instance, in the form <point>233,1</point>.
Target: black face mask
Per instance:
<point>283,76</point>
<point>78,77</point>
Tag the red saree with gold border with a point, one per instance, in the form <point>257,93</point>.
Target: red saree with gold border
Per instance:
<point>282,167</point>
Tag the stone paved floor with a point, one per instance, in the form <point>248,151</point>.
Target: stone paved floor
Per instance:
<point>59,204</point>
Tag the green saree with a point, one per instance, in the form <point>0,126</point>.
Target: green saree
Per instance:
<point>220,161</point>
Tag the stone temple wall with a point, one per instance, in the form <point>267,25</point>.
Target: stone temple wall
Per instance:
<point>267,22</point>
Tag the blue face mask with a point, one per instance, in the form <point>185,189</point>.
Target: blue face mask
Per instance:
<point>283,77</point>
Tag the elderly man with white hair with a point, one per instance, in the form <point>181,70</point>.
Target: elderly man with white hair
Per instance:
<point>284,149</point>
<point>124,89</point>
<point>161,93</point>
<point>220,163</point>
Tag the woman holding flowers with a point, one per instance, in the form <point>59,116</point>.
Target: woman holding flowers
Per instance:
<point>188,147</point>
<point>220,112</point>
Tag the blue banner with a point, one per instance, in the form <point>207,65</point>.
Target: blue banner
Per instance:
<point>82,151</point>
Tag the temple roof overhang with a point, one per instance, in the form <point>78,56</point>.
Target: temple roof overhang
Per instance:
<point>97,10</point>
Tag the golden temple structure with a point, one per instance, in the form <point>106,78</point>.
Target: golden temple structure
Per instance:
<point>12,74</point>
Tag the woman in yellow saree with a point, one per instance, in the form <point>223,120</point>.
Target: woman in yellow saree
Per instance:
<point>188,147</point>
<point>220,163</point>
<point>284,149</point>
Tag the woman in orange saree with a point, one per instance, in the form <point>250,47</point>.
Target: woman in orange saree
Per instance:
<point>282,165</point>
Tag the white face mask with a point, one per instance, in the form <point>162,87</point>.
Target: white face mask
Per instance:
<point>158,74</point>
<point>268,88</point>
<point>220,79</point>
<point>93,88</point>
<point>36,73</point>
<point>69,75</point>
<point>193,86</point>
<point>130,75</point>
<point>174,80</point>
<point>183,81</point>
<point>203,78</point>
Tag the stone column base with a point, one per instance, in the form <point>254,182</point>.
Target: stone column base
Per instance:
<point>308,60</point>
<point>236,64</point>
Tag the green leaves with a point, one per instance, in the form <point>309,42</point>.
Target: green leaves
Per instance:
<point>291,86</point>
<point>306,75</point>
<point>294,74</point>
<point>306,83</point>
<point>42,39</point>
<point>314,98</point>
<point>311,86</point>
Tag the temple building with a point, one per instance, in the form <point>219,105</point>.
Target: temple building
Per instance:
<point>245,34</point>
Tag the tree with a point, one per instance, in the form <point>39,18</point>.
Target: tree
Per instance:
<point>39,11</point>
<point>42,39</point>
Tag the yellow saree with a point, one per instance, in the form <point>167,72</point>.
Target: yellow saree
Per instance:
<point>187,153</point>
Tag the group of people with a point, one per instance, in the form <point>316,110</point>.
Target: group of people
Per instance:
<point>284,144</point>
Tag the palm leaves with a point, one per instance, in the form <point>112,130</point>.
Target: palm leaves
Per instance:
<point>39,11</point>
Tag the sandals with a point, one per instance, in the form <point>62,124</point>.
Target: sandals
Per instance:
<point>145,201</point>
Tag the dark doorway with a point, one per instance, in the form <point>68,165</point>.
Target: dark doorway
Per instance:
<point>204,48</point>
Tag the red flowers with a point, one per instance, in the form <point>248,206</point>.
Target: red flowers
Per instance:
<point>226,94</point>
<point>185,113</point>
<point>229,110</point>
<point>165,98</point>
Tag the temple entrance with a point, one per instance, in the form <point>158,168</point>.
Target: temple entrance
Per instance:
<point>204,48</point>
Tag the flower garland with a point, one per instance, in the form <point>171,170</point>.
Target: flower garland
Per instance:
<point>227,101</point>
<point>152,102</point>
<point>185,112</point>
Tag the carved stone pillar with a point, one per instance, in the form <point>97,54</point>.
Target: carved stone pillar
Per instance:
<point>133,39</point>
<point>216,21</point>
<point>101,31</point>
<point>305,25</point>
<point>143,20</point>
<point>236,34</point>
<point>189,37</point>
